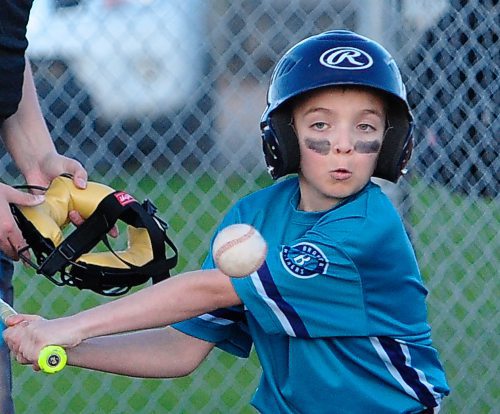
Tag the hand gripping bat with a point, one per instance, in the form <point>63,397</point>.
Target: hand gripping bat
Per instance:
<point>52,358</point>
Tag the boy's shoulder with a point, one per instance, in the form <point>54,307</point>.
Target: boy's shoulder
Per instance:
<point>370,198</point>
<point>281,191</point>
<point>366,220</point>
<point>370,205</point>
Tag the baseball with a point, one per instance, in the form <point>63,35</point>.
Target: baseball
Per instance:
<point>239,250</point>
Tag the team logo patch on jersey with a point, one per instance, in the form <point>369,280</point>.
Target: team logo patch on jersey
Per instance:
<point>304,260</point>
<point>346,58</point>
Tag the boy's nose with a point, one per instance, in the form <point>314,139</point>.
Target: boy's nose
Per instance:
<point>342,143</point>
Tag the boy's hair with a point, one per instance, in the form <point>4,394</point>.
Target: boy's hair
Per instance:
<point>335,58</point>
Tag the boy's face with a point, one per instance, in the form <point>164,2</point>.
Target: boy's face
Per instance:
<point>340,133</point>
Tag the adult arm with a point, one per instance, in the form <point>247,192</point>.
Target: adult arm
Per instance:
<point>27,139</point>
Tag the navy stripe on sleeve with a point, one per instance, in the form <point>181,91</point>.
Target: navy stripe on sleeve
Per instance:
<point>410,376</point>
<point>285,307</point>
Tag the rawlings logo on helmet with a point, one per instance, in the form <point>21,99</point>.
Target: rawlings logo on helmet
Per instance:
<point>346,58</point>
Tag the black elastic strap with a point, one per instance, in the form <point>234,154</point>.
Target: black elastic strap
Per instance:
<point>84,237</point>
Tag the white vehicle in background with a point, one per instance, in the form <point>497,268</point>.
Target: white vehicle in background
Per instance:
<point>131,58</point>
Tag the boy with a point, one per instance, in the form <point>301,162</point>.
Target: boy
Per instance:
<point>337,312</point>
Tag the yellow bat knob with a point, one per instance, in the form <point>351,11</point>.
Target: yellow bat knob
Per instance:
<point>52,359</point>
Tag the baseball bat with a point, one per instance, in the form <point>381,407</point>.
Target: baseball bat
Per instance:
<point>52,358</point>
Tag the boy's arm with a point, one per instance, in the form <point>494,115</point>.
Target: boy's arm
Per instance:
<point>172,300</point>
<point>153,353</point>
<point>176,299</point>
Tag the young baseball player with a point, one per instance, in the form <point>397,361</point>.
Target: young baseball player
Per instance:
<point>337,312</point>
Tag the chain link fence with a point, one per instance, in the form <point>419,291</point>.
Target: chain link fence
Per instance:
<point>163,99</point>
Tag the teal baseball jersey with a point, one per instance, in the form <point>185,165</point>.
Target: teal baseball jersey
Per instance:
<point>336,313</point>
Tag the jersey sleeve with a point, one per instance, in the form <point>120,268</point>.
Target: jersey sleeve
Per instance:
<point>226,328</point>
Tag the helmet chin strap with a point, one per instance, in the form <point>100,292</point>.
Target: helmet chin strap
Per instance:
<point>69,261</point>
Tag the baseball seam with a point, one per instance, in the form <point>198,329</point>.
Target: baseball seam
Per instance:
<point>228,245</point>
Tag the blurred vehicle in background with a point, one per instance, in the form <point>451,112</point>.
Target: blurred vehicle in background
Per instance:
<point>104,65</point>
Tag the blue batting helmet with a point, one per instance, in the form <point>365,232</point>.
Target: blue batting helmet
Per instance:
<point>338,57</point>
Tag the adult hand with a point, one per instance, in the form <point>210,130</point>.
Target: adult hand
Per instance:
<point>40,174</point>
<point>11,239</point>
<point>53,165</point>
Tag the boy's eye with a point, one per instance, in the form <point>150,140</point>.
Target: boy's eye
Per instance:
<point>366,127</point>
<point>319,125</point>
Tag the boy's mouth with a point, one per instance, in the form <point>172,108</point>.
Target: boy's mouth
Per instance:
<point>340,174</point>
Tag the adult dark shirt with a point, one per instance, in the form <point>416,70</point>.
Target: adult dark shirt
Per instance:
<point>14,16</point>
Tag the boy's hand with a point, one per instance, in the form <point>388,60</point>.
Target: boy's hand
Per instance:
<point>19,320</point>
<point>27,335</point>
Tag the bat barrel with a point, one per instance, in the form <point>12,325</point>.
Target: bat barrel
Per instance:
<point>6,310</point>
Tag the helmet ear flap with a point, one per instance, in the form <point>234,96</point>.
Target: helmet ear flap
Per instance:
<point>397,146</point>
<point>280,144</point>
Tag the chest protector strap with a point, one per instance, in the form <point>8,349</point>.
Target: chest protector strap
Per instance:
<point>109,273</point>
